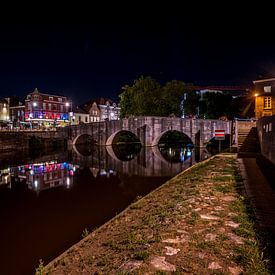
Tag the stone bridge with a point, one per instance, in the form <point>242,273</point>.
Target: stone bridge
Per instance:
<point>149,130</point>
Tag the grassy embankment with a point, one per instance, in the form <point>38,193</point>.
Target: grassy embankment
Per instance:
<point>198,222</point>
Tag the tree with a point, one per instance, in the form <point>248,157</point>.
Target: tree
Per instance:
<point>147,98</point>
<point>171,96</point>
<point>191,103</point>
<point>139,99</point>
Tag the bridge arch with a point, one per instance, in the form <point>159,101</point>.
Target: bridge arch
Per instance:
<point>157,138</point>
<point>113,137</point>
<point>90,138</point>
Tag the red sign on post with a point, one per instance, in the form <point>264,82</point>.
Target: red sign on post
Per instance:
<point>219,134</point>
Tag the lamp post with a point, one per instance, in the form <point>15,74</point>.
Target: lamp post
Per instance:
<point>255,108</point>
<point>69,110</point>
<point>108,111</point>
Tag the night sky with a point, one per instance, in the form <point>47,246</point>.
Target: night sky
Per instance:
<point>97,55</point>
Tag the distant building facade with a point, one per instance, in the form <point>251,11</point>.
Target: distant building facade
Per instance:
<point>78,116</point>
<point>4,111</point>
<point>234,91</point>
<point>17,111</point>
<point>264,93</point>
<point>47,110</point>
<point>94,112</point>
<point>102,109</point>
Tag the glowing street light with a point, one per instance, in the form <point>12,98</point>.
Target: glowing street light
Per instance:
<point>256,94</point>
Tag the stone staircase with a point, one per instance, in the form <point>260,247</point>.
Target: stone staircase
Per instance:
<point>248,141</point>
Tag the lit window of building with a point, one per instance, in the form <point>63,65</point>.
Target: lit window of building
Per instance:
<point>267,102</point>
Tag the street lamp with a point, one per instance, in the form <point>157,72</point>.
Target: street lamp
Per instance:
<point>108,110</point>
<point>70,113</point>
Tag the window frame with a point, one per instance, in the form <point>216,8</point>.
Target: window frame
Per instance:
<point>267,102</point>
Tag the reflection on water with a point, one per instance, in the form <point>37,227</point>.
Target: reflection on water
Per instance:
<point>176,154</point>
<point>45,204</point>
<point>125,152</point>
<point>42,176</point>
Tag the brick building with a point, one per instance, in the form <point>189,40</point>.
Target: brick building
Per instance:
<point>46,110</point>
<point>264,92</point>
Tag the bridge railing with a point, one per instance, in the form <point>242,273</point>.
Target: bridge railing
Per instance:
<point>27,130</point>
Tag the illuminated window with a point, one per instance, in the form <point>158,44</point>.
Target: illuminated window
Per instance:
<point>267,102</point>
<point>50,98</point>
<point>267,89</point>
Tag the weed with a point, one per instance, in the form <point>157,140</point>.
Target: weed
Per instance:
<point>228,170</point>
<point>40,270</point>
<point>136,206</point>
<point>137,198</point>
<point>85,233</point>
<point>141,255</point>
<point>193,218</point>
<point>160,272</point>
<point>223,188</point>
<point>102,262</point>
<point>223,237</point>
<point>149,220</point>
<point>223,178</point>
<point>157,238</point>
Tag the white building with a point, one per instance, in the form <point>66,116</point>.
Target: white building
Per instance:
<point>4,111</point>
<point>102,109</point>
<point>78,116</point>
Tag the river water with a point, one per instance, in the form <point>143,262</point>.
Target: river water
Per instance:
<point>47,201</point>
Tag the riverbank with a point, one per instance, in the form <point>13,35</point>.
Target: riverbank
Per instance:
<point>198,222</point>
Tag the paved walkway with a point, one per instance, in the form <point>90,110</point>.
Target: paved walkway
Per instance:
<point>262,195</point>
